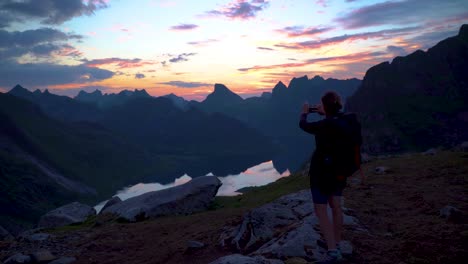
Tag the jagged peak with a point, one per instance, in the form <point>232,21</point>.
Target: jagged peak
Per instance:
<point>46,91</point>
<point>317,78</point>
<point>280,85</point>
<point>219,87</point>
<point>19,88</point>
<point>463,31</point>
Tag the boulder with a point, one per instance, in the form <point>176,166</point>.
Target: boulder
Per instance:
<point>451,213</point>
<point>63,260</point>
<point>193,196</point>
<point>42,256</point>
<point>5,235</point>
<point>112,201</point>
<point>241,259</point>
<point>430,152</point>
<point>39,237</point>
<point>65,215</point>
<point>18,258</point>
<point>192,244</point>
<point>283,229</point>
<point>381,170</point>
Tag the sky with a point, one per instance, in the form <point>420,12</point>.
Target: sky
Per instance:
<point>185,47</point>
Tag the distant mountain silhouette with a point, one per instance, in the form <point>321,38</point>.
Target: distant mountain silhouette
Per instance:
<point>110,100</point>
<point>416,101</point>
<point>221,96</point>
<point>58,107</point>
<point>178,101</point>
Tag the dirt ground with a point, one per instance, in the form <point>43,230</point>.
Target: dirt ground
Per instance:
<point>400,209</point>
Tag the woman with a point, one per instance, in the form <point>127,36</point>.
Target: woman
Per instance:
<point>336,156</point>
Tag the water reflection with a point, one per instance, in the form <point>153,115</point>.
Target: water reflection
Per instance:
<point>258,175</point>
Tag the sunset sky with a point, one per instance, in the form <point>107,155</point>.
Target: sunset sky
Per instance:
<point>184,47</point>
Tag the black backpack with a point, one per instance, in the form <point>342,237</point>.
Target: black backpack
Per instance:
<point>343,158</point>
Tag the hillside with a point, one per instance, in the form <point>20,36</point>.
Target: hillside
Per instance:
<point>417,101</point>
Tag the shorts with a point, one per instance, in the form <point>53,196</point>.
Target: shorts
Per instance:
<point>319,198</point>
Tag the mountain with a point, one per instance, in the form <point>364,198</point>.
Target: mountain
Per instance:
<point>178,101</point>
<point>110,100</point>
<point>58,107</point>
<point>220,97</point>
<point>416,101</point>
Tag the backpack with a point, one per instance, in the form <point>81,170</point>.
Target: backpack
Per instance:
<point>343,158</point>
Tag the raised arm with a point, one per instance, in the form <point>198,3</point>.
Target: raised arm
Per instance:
<point>309,127</point>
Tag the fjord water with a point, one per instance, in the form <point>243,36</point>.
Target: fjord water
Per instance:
<point>257,175</point>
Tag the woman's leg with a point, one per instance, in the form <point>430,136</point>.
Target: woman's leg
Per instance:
<point>326,225</point>
<point>335,204</point>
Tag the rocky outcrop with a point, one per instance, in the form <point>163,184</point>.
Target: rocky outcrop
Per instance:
<point>283,229</point>
<point>193,196</point>
<point>67,214</point>
<point>114,200</point>
<point>240,259</point>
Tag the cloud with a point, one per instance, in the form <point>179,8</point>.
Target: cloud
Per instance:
<point>396,51</point>
<point>202,42</point>
<point>38,42</point>
<point>348,58</point>
<point>182,84</point>
<point>52,12</point>
<point>401,13</point>
<point>33,37</point>
<point>240,9</point>
<point>382,34</point>
<point>264,48</point>
<point>42,74</point>
<point>429,39</point>
<point>139,76</point>
<point>300,31</point>
<point>118,62</point>
<point>183,27</point>
<point>322,3</point>
<point>181,57</point>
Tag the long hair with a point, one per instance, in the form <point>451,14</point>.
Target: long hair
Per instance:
<point>331,101</point>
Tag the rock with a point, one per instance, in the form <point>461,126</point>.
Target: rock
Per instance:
<point>463,147</point>
<point>283,229</point>
<point>381,170</point>
<point>5,235</point>
<point>346,248</point>
<point>39,237</point>
<point>67,214</point>
<point>241,259</point>
<point>430,152</point>
<point>18,258</point>
<point>63,260</point>
<point>451,213</point>
<point>195,244</point>
<point>42,256</point>
<point>112,201</point>
<point>299,242</point>
<point>365,158</point>
<point>296,261</point>
<point>193,196</point>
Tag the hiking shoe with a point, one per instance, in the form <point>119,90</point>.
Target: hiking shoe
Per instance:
<point>321,243</point>
<point>332,256</point>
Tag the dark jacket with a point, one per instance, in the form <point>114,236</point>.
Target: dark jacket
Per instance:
<point>335,137</point>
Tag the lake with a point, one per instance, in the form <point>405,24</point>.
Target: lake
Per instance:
<point>258,175</point>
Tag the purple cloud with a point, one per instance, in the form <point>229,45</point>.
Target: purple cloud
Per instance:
<point>182,84</point>
<point>181,57</point>
<point>241,9</point>
<point>298,31</point>
<point>52,12</point>
<point>401,12</point>
<point>139,76</point>
<point>382,34</point>
<point>264,48</point>
<point>202,42</point>
<point>182,27</point>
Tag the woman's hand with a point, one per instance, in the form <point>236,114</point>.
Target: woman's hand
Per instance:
<point>320,109</point>
<point>305,108</point>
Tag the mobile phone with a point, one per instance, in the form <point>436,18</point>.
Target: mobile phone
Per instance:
<point>313,109</point>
